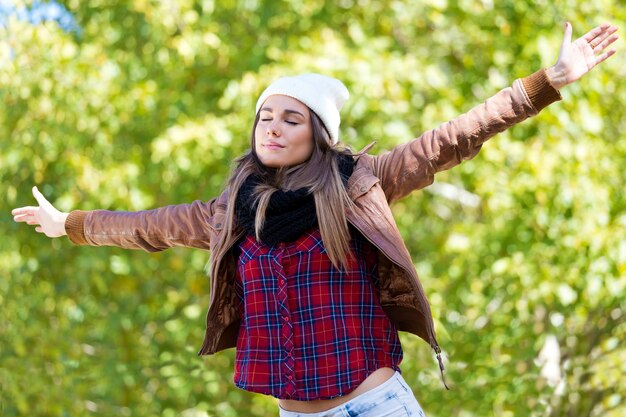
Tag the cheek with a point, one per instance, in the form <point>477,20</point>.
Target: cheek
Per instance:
<point>305,150</point>
<point>304,144</point>
<point>258,140</point>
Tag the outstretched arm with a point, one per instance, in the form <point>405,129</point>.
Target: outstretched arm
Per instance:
<point>412,165</point>
<point>185,225</point>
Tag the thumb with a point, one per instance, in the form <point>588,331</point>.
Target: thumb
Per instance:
<point>567,35</point>
<point>40,198</point>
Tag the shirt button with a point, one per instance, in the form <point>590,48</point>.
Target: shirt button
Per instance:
<point>289,354</point>
<point>286,318</point>
<point>282,282</point>
<point>289,377</point>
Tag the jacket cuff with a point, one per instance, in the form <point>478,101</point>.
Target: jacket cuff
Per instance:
<point>540,92</point>
<point>75,227</point>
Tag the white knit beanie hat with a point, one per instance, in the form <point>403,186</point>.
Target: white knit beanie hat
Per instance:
<point>322,94</point>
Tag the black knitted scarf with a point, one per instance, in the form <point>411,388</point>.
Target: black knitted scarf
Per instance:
<point>289,213</point>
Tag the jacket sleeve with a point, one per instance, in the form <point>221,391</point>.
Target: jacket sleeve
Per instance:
<point>188,225</point>
<point>412,165</point>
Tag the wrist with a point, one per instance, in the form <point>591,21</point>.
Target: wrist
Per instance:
<point>62,220</point>
<point>556,78</point>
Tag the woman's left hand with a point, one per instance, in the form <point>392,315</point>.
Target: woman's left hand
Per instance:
<point>579,57</point>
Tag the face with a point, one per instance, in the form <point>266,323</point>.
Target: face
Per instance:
<point>283,136</point>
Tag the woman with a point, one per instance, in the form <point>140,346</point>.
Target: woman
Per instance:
<point>310,278</point>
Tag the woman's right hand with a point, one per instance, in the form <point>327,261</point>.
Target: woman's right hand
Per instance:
<point>48,220</point>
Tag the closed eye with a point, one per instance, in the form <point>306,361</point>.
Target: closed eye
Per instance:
<point>286,121</point>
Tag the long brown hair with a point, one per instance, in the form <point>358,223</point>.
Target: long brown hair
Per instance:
<point>320,174</point>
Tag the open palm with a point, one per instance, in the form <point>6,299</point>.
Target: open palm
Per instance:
<point>579,57</point>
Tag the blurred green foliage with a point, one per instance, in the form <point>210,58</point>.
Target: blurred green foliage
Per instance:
<point>522,251</point>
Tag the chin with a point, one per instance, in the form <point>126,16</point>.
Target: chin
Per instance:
<point>272,162</point>
<point>275,161</point>
<point>279,159</point>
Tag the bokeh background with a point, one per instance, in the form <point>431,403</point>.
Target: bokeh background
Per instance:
<point>131,105</point>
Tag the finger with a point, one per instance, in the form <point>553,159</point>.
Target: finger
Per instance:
<point>589,36</point>
<point>23,210</point>
<point>604,56</point>
<point>39,197</point>
<point>601,37</point>
<point>38,230</point>
<point>22,218</point>
<point>605,43</point>
<point>567,35</point>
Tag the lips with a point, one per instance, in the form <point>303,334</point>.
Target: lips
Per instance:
<point>273,145</point>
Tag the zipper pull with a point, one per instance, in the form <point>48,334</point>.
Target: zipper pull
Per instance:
<point>441,367</point>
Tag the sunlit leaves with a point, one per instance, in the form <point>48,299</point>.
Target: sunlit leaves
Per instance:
<point>153,101</point>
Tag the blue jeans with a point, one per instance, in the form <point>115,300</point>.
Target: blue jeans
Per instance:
<point>393,398</point>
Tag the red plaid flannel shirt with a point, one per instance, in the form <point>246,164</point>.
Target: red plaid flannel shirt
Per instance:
<point>308,330</point>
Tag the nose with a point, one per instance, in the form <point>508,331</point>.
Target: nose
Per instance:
<point>272,129</point>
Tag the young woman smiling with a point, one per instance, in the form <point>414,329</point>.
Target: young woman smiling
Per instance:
<point>310,278</point>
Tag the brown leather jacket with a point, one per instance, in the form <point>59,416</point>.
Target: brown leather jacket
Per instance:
<point>377,181</point>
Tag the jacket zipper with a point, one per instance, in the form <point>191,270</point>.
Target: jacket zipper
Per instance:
<point>430,328</point>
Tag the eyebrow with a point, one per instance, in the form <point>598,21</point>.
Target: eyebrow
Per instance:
<point>286,111</point>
